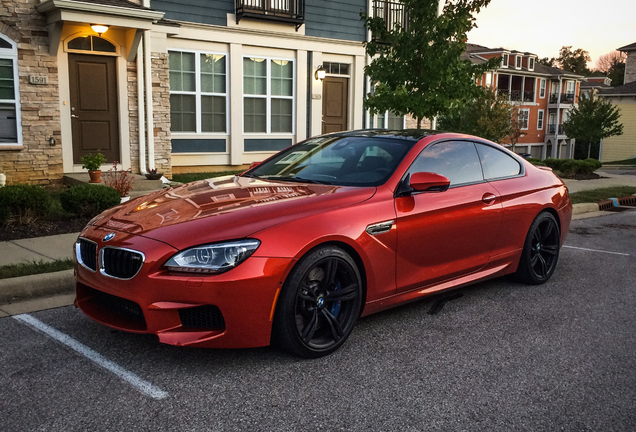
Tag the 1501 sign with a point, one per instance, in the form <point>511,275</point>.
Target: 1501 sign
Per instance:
<point>38,80</point>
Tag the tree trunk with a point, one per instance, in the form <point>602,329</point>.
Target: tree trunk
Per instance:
<point>419,122</point>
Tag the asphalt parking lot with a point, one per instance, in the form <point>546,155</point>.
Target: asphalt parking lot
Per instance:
<point>502,357</point>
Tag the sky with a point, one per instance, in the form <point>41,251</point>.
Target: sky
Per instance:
<point>542,27</point>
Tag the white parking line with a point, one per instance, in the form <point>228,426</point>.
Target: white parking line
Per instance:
<point>596,250</point>
<point>143,386</point>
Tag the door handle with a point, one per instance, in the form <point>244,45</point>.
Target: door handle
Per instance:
<point>74,116</point>
<point>488,198</point>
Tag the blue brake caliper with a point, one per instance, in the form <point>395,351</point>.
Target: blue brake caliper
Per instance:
<point>335,307</point>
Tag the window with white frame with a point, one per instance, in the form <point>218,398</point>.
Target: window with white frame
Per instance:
<point>518,60</point>
<point>198,92</point>
<point>542,85</point>
<point>531,63</point>
<point>268,95</point>
<point>10,125</point>
<point>570,87</point>
<point>390,120</point>
<point>524,115</point>
<point>540,120</point>
<point>504,60</point>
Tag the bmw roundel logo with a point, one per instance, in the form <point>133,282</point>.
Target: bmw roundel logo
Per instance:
<point>108,237</point>
<point>321,301</point>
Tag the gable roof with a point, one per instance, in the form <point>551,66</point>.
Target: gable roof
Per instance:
<point>630,47</point>
<point>628,89</point>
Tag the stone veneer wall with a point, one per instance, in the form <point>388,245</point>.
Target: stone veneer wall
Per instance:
<point>161,113</point>
<point>411,123</point>
<point>37,161</point>
<point>630,67</point>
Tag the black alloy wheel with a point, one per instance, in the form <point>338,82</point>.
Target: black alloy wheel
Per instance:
<point>541,250</point>
<point>320,303</point>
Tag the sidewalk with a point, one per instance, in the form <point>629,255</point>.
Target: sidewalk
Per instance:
<point>19,295</point>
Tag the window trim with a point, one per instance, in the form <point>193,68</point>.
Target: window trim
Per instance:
<point>518,61</point>
<point>505,60</point>
<point>530,63</point>
<point>12,54</point>
<point>528,121</point>
<point>198,93</point>
<point>540,119</point>
<point>268,97</point>
<point>92,52</point>
<point>386,123</point>
<point>542,88</point>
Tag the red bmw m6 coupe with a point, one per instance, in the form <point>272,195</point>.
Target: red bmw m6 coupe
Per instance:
<point>297,248</point>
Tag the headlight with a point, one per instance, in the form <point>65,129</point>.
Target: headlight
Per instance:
<point>213,258</point>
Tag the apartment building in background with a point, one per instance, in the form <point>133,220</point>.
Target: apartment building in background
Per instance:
<point>542,95</point>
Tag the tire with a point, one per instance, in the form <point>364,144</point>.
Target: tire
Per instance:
<point>540,251</point>
<point>319,304</point>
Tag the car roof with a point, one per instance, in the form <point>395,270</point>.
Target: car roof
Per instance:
<point>410,134</point>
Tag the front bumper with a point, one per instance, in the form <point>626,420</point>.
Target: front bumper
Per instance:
<point>229,310</point>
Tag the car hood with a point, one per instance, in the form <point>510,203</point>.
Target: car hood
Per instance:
<point>224,208</point>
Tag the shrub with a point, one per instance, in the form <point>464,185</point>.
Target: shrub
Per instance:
<point>89,200</point>
<point>573,167</point>
<point>25,203</point>
<point>537,162</point>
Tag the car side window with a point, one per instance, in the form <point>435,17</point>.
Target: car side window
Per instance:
<point>456,160</point>
<point>497,164</point>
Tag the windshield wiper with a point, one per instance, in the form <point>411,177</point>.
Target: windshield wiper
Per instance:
<point>293,179</point>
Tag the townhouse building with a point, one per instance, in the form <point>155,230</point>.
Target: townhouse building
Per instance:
<point>177,85</point>
<point>542,95</point>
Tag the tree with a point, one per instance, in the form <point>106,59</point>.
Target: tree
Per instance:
<point>547,61</point>
<point>489,116</point>
<point>593,120</point>
<point>416,67</point>
<point>574,61</point>
<point>612,65</point>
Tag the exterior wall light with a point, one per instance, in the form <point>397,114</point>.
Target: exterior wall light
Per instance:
<point>320,73</point>
<point>99,29</point>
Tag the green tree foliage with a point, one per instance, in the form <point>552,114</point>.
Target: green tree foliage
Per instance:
<point>488,116</point>
<point>416,67</point>
<point>547,61</point>
<point>574,61</point>
<point>593,120</point>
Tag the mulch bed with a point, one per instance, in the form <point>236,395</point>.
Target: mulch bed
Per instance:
<point>43,228</point>
<point>592,176</point>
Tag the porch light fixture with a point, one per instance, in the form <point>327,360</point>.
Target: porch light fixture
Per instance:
<point>99,29</point>
<point>320,73</point>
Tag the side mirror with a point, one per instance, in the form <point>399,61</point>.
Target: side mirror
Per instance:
<point>428,182</point>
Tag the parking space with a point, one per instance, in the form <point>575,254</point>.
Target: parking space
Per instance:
<point>501,357</point>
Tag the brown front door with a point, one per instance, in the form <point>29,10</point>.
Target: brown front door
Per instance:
<point>334,104</point>
<point>94,115</point>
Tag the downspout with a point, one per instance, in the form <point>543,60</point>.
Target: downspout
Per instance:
<point>149,111</point>
<point>141,112</point>
<point>556,144</point>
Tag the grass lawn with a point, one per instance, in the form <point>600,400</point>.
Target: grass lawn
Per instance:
<point>31,268</point>
<point>190,177</point>
<point>631,161</point>
<point>596,195</point>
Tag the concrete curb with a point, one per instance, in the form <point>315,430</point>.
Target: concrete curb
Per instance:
<point>40,285</point>
<point>578,209</point>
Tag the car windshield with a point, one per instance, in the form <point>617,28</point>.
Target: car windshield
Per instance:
<point>337,160</point>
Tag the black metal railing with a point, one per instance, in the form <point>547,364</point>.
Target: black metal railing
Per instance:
<point>518,95</point>
<point>287,11</point>
<point>566,98</point>
<point>392,12</point>
<point>552,129</point>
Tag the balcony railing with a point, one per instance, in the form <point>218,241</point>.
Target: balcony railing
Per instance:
<point>392,12</point>
<point>552,129</point>
<point>287,11</point>
<point>517,95</point>
<point>566,98</point>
